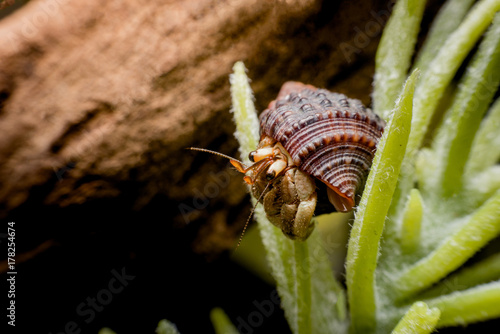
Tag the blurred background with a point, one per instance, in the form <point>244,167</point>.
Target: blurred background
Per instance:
<point>117,224</point>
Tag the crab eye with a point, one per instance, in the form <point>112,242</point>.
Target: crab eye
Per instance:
<point>260,154</point>
<point>275,169</point>
<point>270,175</point>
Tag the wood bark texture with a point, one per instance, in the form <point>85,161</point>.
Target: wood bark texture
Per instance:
<point>99,100</point>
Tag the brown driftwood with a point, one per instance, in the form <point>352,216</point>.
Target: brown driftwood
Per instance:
<point>99,99</point>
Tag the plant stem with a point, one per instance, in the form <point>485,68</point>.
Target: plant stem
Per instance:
<point>434,81</point>
<point>221,322</point>
<point>418,320</point>
<point>447,20</point>
<point>484,185</point>
<point>303,297</point>
<point>485,151</point>
<point>475,94</point>
<point>394,54</point>
<point>412,222</point>
<point>370,216</point>
<point>444,66</point>
<point>245,116</point>
<point>465,307</point>
<point>482,272</point>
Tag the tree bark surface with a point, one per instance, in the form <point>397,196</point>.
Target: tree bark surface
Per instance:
<point>99,99</point>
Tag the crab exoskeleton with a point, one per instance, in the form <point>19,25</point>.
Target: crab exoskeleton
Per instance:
<point>288,194</point>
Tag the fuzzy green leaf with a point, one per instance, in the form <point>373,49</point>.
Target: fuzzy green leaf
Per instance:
<point>412,222</point>
<point>447,20</point>
<point>472,100</point>
<point>477,231</point>
<point>483,185</point>
<point>303,277</point>
<point>485,150</point>
<point>394,54</point>
<point>465,307</point>
<point>482,272</point>
<point>221,322</point>
<point>419,319</point>
<point>434,82</point>
<point>166,327</point>
<point>313,301</point>
<point>371,213</point>
<point>444,66</point>
<point>245,116</point>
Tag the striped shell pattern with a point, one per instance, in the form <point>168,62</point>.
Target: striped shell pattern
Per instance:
<point>328,136</point>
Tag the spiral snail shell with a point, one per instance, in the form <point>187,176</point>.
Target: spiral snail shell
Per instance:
<point>329,136</point>
<point>308,135</point>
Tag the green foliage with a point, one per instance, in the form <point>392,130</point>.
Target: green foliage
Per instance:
<point>411,222</point>
<point>394,53</point>
<point>106,330</point>
<point>371,213</point>
<point>245,117</point>
<point>447,20</point>
<point>166,327</point>
<point>221,322</point>
<point>418,320</point>
<point>434,205</point>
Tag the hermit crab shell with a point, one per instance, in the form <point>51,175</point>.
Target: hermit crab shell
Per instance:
<point>328,136</point>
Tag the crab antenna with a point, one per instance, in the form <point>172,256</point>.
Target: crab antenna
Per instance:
<point>250,216</point>
<point>241,169</point>
<point>216,153</point>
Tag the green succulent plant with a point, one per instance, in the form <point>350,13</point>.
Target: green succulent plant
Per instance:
<point>432,195</point>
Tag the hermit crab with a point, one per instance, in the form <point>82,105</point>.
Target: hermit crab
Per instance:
<point>315,152</point>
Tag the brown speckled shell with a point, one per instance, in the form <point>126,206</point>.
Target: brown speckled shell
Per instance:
<point>328,135</point>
